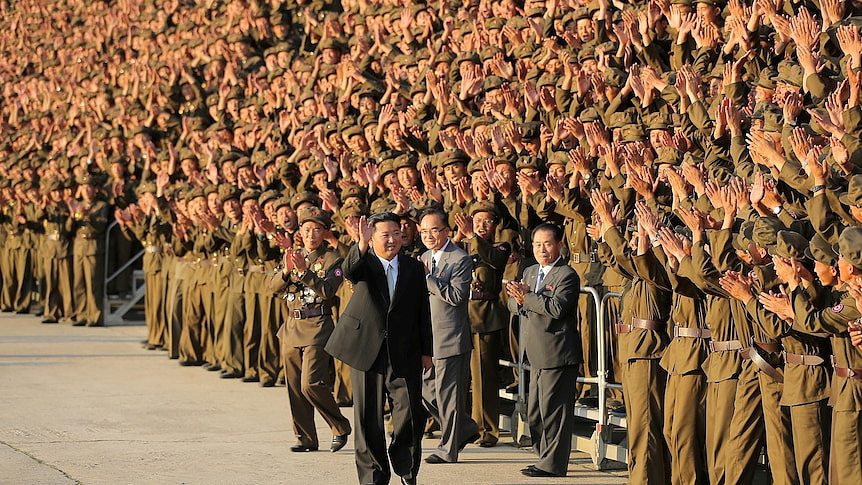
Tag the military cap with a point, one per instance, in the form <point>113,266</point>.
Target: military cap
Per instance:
<point>790,73</point>
<point>53,184</point>
<point>468,57</point>
<point>632,132</point>
<point>229,193</point>
<point>531,129</point>
<point>381,205</point>
<point>268,196</point>
<point>766,78</point>
<point>146,188</point>
<point>820,250</point>
<point>331,43</point>
<point>453,156</point>
<point>765,231</point>
<point>853,196</point>
<point>386,167</point>
<point>669,155</point>
<point>304,197</point>
<point>88,179</point>
<point>314,214</point>
<point>484,206</point>
<point>581,13</point>
<point>330,128</point>
<point>773,119</point>
<point>243,162</point>
<point>619,119</point>
<point>280,202</point>
<point>658,121</point>
<point>475,165</point>
<point>547,79</point>
<point>353,191</point>
<point>528,162</point>
<point>315,166</point>
<point>616,78</point>
<point>743,238</point>
<point>589,115</point>
<point>351,210</point>
<point>535,12</point>
<point>558,158</point>
<point>586,55</point>
<point>250,195</point>
<point>194,193</point>
<point>790,245</point>
<point>850,246</point>
<point>492,82</point>
<point>403,161</point>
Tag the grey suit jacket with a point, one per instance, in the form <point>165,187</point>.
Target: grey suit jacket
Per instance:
<point>549,317</point>
<point>449,294</point>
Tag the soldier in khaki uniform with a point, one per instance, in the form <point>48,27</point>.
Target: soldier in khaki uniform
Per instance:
<point>488,318</point>
<point>90,216</point>
<point>229,303</point>
<point>309,281</point>
<point>58,271</point>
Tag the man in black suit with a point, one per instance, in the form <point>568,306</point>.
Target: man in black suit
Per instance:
<point>547,302</point>
<point>384,335</point>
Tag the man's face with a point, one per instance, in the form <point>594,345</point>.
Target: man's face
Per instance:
<point>485,225</point>
<point>312,235</point>
<point>434,232</point>
<point>454,172</point>
<point>214,203</point>
<point>828,275</point>
<point>585,29</point>
<point>546,249</point>
<point>846,271</point>
<point>408,177</point>
<point>386,239</point>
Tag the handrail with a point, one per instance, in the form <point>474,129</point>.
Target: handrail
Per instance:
<point>106,302</point>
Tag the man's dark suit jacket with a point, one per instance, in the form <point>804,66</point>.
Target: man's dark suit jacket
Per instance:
<point>405,323</point>
<point>548,317</point>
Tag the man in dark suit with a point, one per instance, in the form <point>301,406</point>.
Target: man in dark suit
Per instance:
<point>444,391</point>
<point>547,302</point>
<point>384,335</point>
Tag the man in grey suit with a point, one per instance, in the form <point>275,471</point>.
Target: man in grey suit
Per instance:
<point>444,388</point>
<point>546,301</point>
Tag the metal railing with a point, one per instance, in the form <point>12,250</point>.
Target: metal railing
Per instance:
<point>599,446</point>
<point>115,317</point>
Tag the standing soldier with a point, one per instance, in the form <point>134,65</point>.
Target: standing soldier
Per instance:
<point>58,276</point>
<point>229,287</point>
<point>90,217</point>
<point>488,318</point>
<point>309,280</point>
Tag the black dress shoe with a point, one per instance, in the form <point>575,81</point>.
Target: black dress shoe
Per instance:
<point>49,320</point>
<point>22,312</point>
<point>532,471</point>
<point>487,444</point>
<point>267,383</point>
<point>251,379</point>
<point>230,375</point>
<point>302,448</point>
<point>79,324</point>
<point>212,367</point>
<point>95,324</point>
<point>151,346</point>
<point>338,442</point>
<point>468,441</point>
<point>189,363</point>
<point>434,459</point>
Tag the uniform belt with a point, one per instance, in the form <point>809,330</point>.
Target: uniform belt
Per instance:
<point>637,323</point>
<point>725,345</point>
<point>848,373</point>
<point>803,359</point>
<point>153,249</point>
<point>687,332</point>
<point>758,360</point>
<point>85,236</point>
<point>303,313</point>
<point>256,268</point>
<point>578,258</point>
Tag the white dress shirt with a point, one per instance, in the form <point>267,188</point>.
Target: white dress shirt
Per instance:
<point>543,272</point>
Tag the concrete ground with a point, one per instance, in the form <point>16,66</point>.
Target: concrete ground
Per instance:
<point>88,405</point>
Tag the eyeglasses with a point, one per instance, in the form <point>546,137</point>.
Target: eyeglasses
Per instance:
<point>431,232</point>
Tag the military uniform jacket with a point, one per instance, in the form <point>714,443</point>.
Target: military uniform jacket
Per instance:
<point>90,224</point>
<point>154,233</point>
<point>549,317</point>
<point>314,291</point>
<point>57,222</point>
<point>487,314</point>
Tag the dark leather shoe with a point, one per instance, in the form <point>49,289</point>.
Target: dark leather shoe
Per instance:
<point>338,442</point>
<point>230,375</point>
<point>487,444</point>
<point>267,383</point>
<point>251,379</point>
<point>151,346</point>
<point>468,441</point>
<point>79,324</point>
<point>212,367</point>
<point>302,448</point>
<point>434,459</point>
<point>189,363</point>
<point>49,320</point>
<point>532,471</point>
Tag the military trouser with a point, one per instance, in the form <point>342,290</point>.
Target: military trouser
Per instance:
<point>232,355</point>
<point>7,281</point>
<point>208,324</point>
<point>757,412</point>
<point>89,288</point>
<point>485,380</point>
<point>720,398</point>
<point>269,358</point>
<point>845,460</point>
<point>23,278</point>
<point>308,376</point>
<point>612,359</point>
<point>255,313</point>
<point>176,281</point>
<point>191,349</point>
<point>154,312</point>
<point>811,426</point>
<point>587,328</point>
<point>644,383</point>
<point>58,289</point>
<point>685,427</point>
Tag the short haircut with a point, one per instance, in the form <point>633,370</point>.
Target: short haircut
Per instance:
<point>384,217</point>
<point>435,212</point>
<point>547,226</point>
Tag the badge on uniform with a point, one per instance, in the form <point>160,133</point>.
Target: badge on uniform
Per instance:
<point>291,297</point>
<point>837,308</point>
<point>338,272</point>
